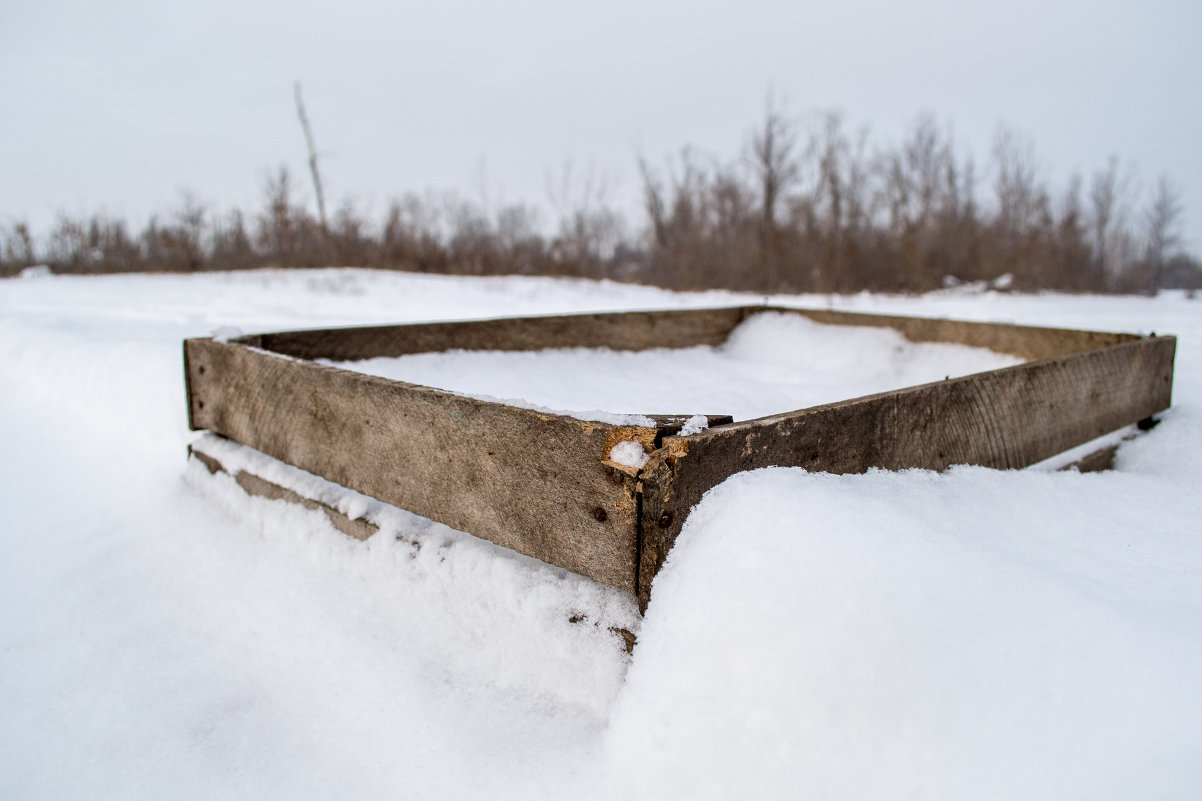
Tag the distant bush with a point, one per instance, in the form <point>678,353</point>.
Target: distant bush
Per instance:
<point>814,208</point>
<point>808,206</point>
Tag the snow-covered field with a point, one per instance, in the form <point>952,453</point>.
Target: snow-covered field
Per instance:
<point>974,634</point>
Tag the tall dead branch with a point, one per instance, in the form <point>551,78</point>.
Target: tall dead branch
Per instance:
<point>304,121</point>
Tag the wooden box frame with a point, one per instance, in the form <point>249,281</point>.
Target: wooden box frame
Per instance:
<point>542,484</point>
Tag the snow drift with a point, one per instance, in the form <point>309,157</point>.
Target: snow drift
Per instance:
<point>974,634</point>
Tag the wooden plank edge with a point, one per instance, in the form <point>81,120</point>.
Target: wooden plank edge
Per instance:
<point>664,328</point>
<point>622,330</point>
<point>1098,455</point>
<point>660,524</point>
<point>259,487</point>
<point>1029,342</point>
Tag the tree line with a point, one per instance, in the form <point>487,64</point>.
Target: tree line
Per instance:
<point>809,205</point>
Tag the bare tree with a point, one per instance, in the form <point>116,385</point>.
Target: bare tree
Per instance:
<point>832,214</point>
<point>653,203</point>
<point>920,179</point>
<point>1110,196</point>
<point>18,252</point>
<point>304,121</point>
<point>1074,265</point>
<point>187,235</point>
<point>414,234</point>
<point>833,182</point>
<point>231,244</point>
<point>278,229</point>
<point>774,159</point>
<point>927,158</point>
<point>1021,197</point>
<point>1162,220</point>
<point>588,229</point>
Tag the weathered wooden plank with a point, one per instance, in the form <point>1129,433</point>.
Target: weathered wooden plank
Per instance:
<point>1005,418</point>
<point>1027,341</point>
<point>530,481</point>
<point>654,329</point>
<point>260,487</point>
<point>617,330</point>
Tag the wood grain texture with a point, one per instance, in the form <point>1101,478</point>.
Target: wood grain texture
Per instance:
<point>1006,418</point>
<point>529,481</point>
<point>617,330</point>
<point>540,483</point>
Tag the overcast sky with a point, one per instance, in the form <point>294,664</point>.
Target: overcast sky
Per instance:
<point>118,106</point>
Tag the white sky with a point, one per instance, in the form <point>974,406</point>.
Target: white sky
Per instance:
<point>117,106</point>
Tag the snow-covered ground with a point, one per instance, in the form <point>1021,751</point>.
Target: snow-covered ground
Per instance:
<point>973,634</point>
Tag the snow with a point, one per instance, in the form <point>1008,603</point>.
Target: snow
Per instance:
<point>629,453</point>
<point>983,634</point>
<point>900,635</point>
<point>694,425</point>
<point>771,363</point>
<point>226,332</point>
